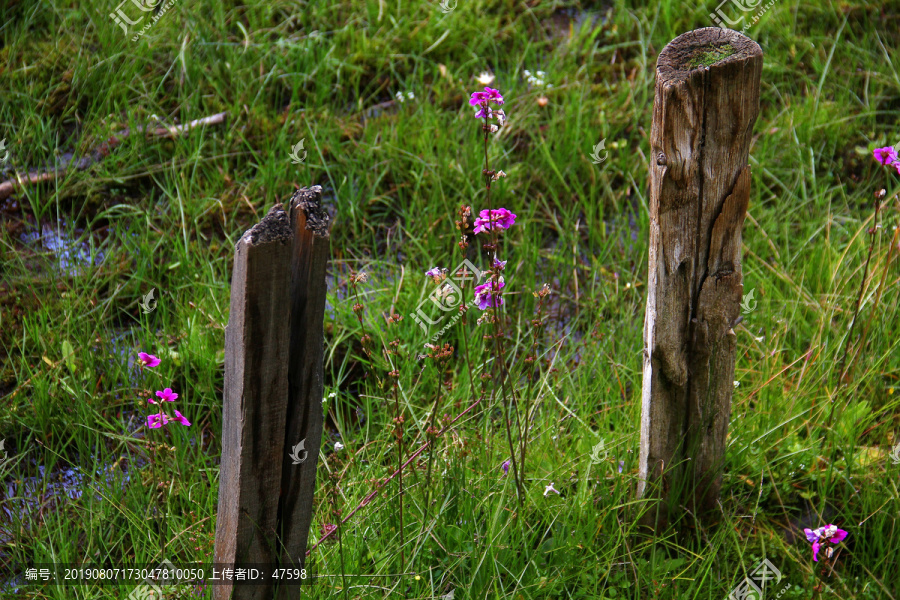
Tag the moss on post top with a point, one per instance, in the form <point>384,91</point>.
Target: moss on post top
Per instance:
<point>704,48</point>
<point>711,55</point>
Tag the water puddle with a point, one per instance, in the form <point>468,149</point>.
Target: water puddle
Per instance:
<point>70,256</point>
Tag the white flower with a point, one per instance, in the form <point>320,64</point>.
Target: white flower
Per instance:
<point>338,446</point>
<point>501,116</point>
<point>550,488</point>
<point>493,128</point>
<point>485,78</point>
<point>497,176</point>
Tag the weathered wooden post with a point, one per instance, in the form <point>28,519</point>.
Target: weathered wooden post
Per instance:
<point>312,248</point>
<point>273,395</point>
<point>707,100</point>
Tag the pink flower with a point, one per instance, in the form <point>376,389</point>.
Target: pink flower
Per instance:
<point>483,99</point>
<point>886,155</point>
<point>157,421</point>
<point>180,418</point>
<point>167,395</point>
<point>148,360</point>
<point>492,95</point>
<point>830,533</point>
<point>550,488</point>
<point>500,218</point>
<point>487,294</point>
<point>437,274</point>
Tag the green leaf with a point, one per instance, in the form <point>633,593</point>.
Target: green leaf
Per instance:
<point>68,353</point>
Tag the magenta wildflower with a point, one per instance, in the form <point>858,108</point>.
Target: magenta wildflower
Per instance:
<point>830,533</point>
<point>487,294</point>
<point>492,95</point>
<point>886,156</point>
<point>485,112</point>
<point>505,467</point>
<point>483,98</point>
<point>499,264</point>
<point>437,274</point>
<point>167,395</point>
<point>148,360</point>
<point>487,219</point>
<point>157,421</point>
<point>180,418</point>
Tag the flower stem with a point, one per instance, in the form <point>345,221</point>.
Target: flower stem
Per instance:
<point>496,318</point>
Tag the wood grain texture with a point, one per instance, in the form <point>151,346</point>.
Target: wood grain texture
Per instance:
<point>703,119</point>
<point>255,403</point>
<point>310,253</point>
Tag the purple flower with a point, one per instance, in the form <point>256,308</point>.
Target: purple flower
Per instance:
<point>492,95</point>
<point>482,101</point>
<point>437,274</point>
<point>830,533</point>
<point>505,467</point>
<point>500,218</point>
<point>157,421</point>
<point>886,155</point>
<point>621,465</point>
<point>180,418</point>
<point>167,395</point>
<point>499,264</point>
<point>487,294</point>
<point>148,360</point>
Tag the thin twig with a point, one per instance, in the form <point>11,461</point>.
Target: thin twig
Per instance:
<point>100,152</point>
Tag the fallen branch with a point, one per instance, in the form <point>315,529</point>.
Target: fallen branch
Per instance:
<point>101,152</point>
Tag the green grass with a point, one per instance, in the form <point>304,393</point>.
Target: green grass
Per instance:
<point>166,214</point>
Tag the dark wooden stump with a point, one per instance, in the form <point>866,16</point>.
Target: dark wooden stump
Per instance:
<point>255,402</point>
<point>707,100</point>
<point>274,349</point>
<point>312,248</point>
